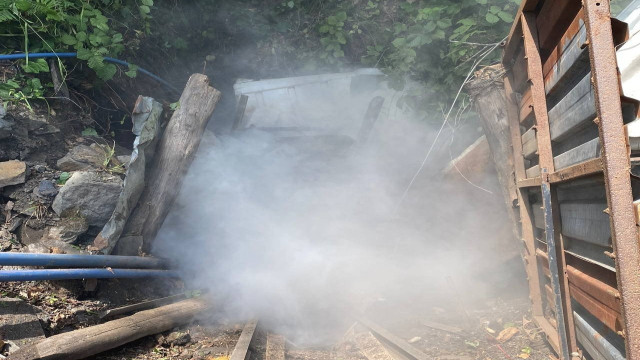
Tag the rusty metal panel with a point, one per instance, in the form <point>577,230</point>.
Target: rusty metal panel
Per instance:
<point>616,168</point>
<point>526,226</point>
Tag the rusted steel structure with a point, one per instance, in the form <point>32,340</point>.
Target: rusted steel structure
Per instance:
<point>573,169</point>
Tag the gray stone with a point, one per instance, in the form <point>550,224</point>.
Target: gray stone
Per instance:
<point>12,172</point>
<point>15,224</point>
<point>90,194</point>
<point>40,168</point>
<point>38,127</point>
<point>46,189</point>
<point>20,322</point>
<point>68,229</point>
<point>124,159</point>
<point>83,157</point>
<point>129,245</point>
<point>147,118</point>
<point>6,127</point>
<point>177,338</point>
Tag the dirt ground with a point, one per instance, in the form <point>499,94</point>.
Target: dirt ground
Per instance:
<point>440,333</point>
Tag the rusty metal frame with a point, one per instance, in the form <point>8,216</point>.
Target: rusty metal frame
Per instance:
<point>526,224</point>
<point>617,166</point>
<point>613,165</point>
<point>560,286</point>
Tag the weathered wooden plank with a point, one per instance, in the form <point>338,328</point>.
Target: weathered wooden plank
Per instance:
<point>529,143</point>
<point>573,111</point>
<point>241,350</point>
<point>568,60</point>
<point>533,171</point>
<point>587,151</point>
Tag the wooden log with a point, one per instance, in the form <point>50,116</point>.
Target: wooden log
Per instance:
<point>86,342</point>
<point>174,155</point>
<point>489,98</point>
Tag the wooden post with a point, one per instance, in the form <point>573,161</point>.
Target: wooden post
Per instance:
<point>174,155</point>
<point>89,341</point>
<point>490,102</point>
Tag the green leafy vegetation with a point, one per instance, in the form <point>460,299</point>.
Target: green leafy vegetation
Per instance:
<point>432,41</point>
<point>94,29</point>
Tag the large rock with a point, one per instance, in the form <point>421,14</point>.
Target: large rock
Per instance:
<point>12,172</point>
<point>68,229</point>
<point>90,194</point>
<point>83,157</point>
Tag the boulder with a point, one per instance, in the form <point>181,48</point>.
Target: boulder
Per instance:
<point>12,172</point>
<point>68,229</point>
<point>90,194</point>
<point>83,157</point>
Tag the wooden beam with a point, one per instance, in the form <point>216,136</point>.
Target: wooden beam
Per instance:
<point>242,349</point>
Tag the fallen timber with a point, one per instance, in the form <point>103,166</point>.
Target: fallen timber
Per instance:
<point>86,342</point>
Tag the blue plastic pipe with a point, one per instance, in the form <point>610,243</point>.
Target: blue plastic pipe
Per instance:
<point>77,274</point>
<point>84,261</point>
<point>73,55</point>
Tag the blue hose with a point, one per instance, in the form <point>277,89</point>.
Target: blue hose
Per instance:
<point>77,274</point>
<point>64,260</point>
<point>73,55</point>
